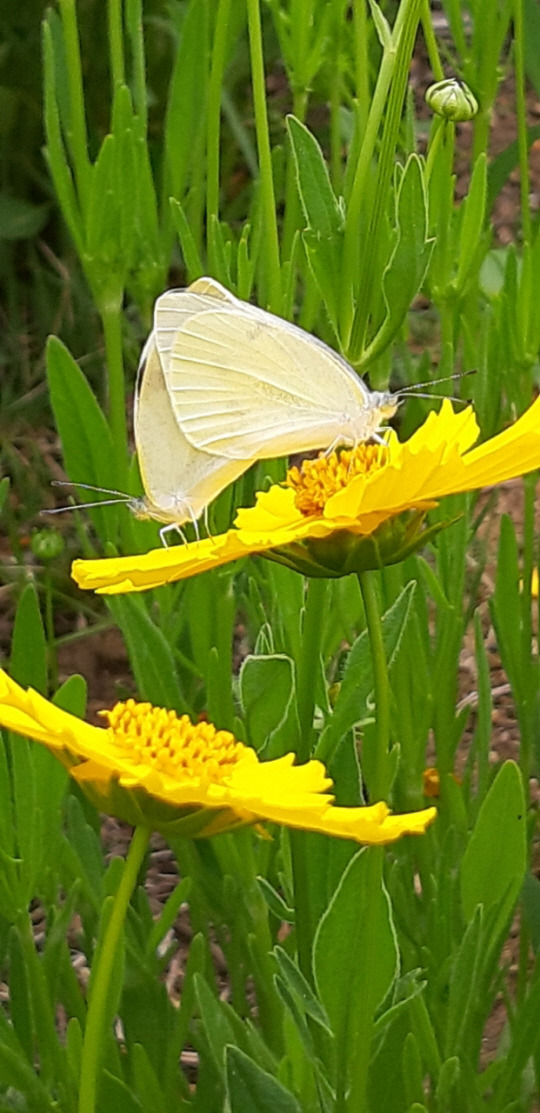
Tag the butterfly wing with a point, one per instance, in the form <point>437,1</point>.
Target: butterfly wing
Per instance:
<point>246,384</point>
<point>179,480</point>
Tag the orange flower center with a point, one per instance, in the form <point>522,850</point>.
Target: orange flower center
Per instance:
<point>172,744</point>
<point>315,481</point>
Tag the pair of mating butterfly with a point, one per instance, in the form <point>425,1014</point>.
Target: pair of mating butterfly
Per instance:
<point>222,384</point>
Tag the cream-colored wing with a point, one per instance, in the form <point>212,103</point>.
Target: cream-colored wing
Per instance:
<point>246,384</point>
<point>179,480</point>
<point>173,308</point>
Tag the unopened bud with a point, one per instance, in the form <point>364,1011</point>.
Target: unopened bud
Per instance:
<point>452,99</point>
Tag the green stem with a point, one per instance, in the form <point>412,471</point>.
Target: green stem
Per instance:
<point>308,665</point>
<point>387,105</point>
<point>308,671</point>
<point>112,329</point>
<point>116,43</point>
<point>361,63</point>
<point>270,246</point>
<point>380,781</point>
<point>526,285</point>
<point>358,1050</point>
<point>213,119</point>
<point>431,42</point>
<point>97,1022</point>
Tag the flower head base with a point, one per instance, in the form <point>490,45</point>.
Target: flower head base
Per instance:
<point>354,512</point>
<point>156,769</point>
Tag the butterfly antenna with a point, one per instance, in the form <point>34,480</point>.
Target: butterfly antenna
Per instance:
<point>87,505</point>
<point>88,487</point>
<point>419,394</point>
<point>414,387</point>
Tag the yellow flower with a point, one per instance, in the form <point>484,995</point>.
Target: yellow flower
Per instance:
<point>358,510</point>
<point>156,769</point>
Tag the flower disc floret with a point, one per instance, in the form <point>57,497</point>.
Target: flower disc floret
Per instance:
<point>172,744</point>
<point>315,481</point>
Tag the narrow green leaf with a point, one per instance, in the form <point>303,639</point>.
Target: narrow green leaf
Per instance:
<point>357,682</point>
<point>473,212</point>
<point>56,152</point>
<point>266,691</point>
<point>409,261</point>
<point>301,988</point>
<point>150,654</point>
<point>350,989</point>
<point>321,209</point>
<point>495,858</point>
<point>252,1090</point>
<point>192,259</point>
<point>86,439</point>
<point>28,662</point>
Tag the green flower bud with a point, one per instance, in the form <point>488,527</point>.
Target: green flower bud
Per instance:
<point>47,544</point>
<point>452,99</point>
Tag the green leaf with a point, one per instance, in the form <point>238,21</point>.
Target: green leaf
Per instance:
<point>473,213</point>
<point>464,983</point>
<point>531,908</point>
<point>150,654</point>
<point>266,691</point>
<point>321,209</point>
<point>28,662</point>
<point>252,1090</point>
<point>20,220</point>
<point>501,165</point>
<point>85,435</point>
<point>357,683</point>
<point>55,151</point>
<point>353,980</point>
<point>192,259</point>
<point>301,988</point>
<point>494,862</point>
<point>146,1084</point>
<point>408,264</point>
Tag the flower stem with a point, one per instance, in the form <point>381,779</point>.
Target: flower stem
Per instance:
<point>308,671</point>
<point>308,665</point>
<point>358,1052</point>
<point>270,240</point>
<point>97,1022</point>
<point>379,781</point>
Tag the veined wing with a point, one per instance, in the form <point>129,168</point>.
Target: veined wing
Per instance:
<point>179,480</point>
<point>245,383</point>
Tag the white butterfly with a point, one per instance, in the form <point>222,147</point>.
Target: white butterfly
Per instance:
<point>179,480</point>
<point>222,384</point>
<point>245,384</point>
